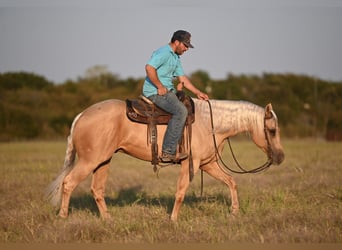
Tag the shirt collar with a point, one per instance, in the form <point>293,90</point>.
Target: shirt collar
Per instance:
<point>171,50</point>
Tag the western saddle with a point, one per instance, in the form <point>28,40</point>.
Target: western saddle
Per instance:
<point>144,111</point>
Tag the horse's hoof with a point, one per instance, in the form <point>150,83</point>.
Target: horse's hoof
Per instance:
<point>62,216</point>
<point>235,212</point>
<point>106,216</point>
<point>173,219</point>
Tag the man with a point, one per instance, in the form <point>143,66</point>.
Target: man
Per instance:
<point>162,67</point>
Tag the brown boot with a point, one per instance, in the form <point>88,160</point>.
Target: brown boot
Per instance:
<point>166,157</point>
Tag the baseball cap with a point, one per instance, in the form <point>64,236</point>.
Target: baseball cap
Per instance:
<point>182,36</point>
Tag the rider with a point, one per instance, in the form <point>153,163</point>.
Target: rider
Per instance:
<point>163,65</point>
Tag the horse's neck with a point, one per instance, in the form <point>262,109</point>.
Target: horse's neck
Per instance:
<point>232,117</point>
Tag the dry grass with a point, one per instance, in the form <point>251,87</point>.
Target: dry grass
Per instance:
<point>299,201</point>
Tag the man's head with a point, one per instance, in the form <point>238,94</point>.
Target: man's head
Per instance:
<point>181,41</point>
<point>182,36</point>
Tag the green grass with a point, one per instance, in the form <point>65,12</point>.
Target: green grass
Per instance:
<point>298,201</point>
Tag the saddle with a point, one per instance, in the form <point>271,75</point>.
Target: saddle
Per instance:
<point>144,111</point>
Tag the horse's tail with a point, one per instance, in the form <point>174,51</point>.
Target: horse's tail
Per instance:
<point>54,190</point>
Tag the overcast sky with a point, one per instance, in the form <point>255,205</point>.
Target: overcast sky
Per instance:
<point>61,39</point>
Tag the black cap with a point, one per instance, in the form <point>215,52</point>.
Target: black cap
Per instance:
<point>182,36</point>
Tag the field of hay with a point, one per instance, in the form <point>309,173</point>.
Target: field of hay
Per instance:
<point>299,201</point>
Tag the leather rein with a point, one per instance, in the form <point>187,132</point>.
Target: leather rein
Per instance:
<point>242,170</point>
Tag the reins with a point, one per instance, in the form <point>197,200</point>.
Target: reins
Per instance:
<point>242,170</point>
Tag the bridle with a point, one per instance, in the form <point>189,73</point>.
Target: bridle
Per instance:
<point>242,170</point>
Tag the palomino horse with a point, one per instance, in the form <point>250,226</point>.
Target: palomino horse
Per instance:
<point>104,129</point>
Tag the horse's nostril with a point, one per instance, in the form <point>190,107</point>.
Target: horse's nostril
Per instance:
<point>279,157</point>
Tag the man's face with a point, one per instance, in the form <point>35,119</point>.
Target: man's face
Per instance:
<point>180,48</point>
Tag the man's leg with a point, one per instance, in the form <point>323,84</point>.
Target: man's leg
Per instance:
<point>171,104</point>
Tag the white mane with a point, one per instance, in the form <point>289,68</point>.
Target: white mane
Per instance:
<point>231,116</point>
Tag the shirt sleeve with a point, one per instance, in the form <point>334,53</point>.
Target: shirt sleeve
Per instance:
<point>157,59</point>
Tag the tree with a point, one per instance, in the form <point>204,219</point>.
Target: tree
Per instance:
<point>13,80</point>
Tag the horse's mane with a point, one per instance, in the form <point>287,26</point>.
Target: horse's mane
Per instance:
<point>232,115</point>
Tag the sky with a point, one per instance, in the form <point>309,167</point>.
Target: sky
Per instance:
<point>60,40</point>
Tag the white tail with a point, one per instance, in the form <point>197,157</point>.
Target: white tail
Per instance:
<point>54,190</point>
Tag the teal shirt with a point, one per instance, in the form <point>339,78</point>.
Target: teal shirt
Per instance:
<point>168,65</point>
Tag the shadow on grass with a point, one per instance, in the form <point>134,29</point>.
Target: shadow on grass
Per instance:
<point>133,195</point>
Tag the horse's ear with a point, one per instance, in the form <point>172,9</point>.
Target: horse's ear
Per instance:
<point>268,111</point>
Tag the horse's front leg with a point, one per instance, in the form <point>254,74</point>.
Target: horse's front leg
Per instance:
<point>215,171</point>
<point>182,185</point>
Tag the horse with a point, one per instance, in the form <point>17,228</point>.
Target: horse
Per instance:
<point>103,129</point>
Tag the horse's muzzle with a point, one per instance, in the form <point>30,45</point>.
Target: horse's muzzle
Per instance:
<point>278,157</point>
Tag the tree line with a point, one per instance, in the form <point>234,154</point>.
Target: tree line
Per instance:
<point>32,107</point>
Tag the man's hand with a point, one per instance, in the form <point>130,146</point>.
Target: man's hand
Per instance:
<point>162,90</point>
<point>180,86</point>
<point>202,96</point>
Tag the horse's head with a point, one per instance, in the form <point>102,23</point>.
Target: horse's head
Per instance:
<point>270,138</point>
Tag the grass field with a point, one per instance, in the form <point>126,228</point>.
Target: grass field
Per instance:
<point>298,201</point>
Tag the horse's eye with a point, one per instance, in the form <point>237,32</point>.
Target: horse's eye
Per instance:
<point>272,131</point>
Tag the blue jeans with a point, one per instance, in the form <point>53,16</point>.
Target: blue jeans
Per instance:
<point>170,103</point>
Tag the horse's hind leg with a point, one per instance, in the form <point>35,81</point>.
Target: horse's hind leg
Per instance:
<point>76,175</point>
<point>215,171</point>
<point>98,189</point>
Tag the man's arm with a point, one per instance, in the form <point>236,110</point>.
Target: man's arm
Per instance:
<point>153,76</point>
<point>185,81</point>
